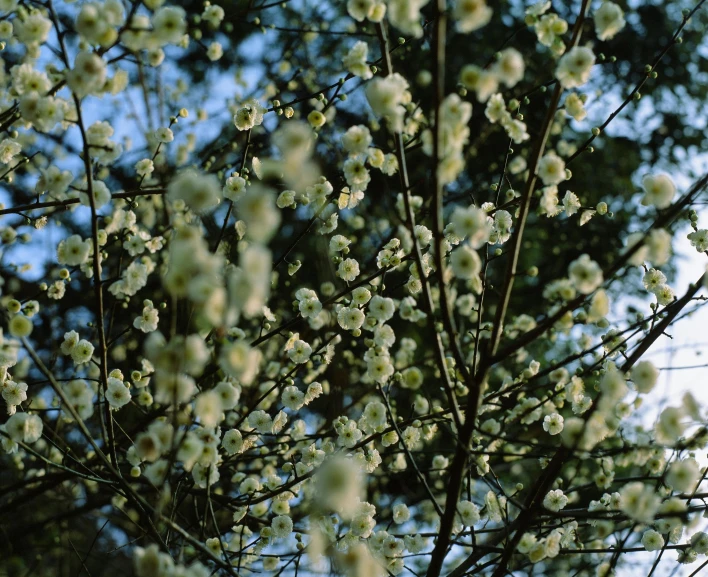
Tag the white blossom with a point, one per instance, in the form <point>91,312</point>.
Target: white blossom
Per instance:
<point>555,500</point>
<point>575,66</point>
<point>659,190</point>
<point>609,20</point>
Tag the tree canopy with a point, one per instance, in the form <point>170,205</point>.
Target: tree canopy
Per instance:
<point>355,287</point>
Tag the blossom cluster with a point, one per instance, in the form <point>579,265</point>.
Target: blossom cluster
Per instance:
<point>302,337</point>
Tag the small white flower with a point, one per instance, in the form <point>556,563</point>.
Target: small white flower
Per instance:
<point>169,24</point>
<point>682,476</point>
<point>144,167</point>
<point>9,148</point>
<point>380,368</point>
<point>652,540</point>
<point>282,526</point>
<point>82,352</point>
<point>387,96</point>
<point>213,14</point>
<point>381,308</point>
<point>350,318</point>
<point>551,169</point>
<point>585,274</point>
<point>609,20</point>
<point>660,190</point>
<point>88,75</point>
<point>24,428</point>
<point>338,243</point>
<point>653,279</point>
<point>496,108</point>
<point>250,115</point>
<point>361,296</point>
<point>575,66</point>
<point>471,14</point>
<point>360,9</point>
<point>261,421</point>
<point>164,135</point>
<point>101,194</point>
<point>699,239</point>
<point>215,51</point>
<point>645,376</point>
<point>575,107</point>
<point>293,398</point>
<point>392,547</point>
<point>553,424</point>
<point>71,339</point>
<point>14,393</point>
<point>699,542</point>
<point>390,164</point>
<point>571,203</point>
<point>374,416</point>
<point>639,502</point>
<point>117,394</point>
<point>200,192</point>
<point>232,442</point>
<point>348,270</point>
<point>356,173</point>
<point>468,512</point>
<point>286,199</point>
<point>401,514</point>
<point>465,262</point>
<point>314,390</point>
<point>405,15</point>
<point>208,408</point>
<point>356,139</point>
<point>415,543</point>
<point>516,130</point>
<point>471,223</point>
<point>509,67</point>
<point>423,234</point>
<point>300,352</point>
<point>538,8</point>
<point>664,295</point>
<point>240,361</point>
<point>362,525</point>
<point>147,321</point>
<point>234,188</point>
<point>355,61</point>
<point>555,500</point>
<point>309,307</point>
